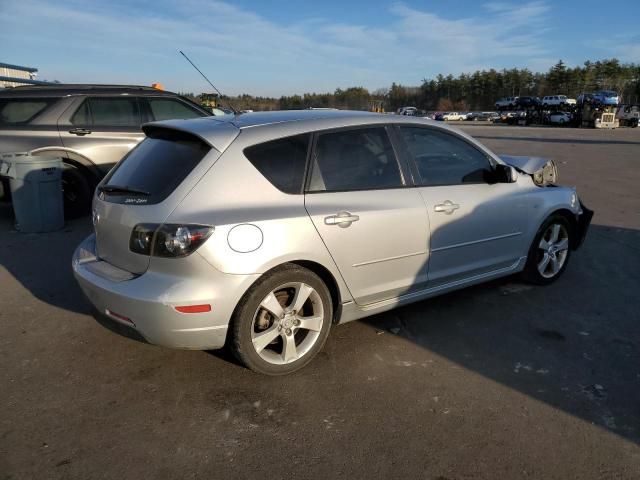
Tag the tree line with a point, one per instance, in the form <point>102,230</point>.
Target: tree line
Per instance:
<point>468,91</point>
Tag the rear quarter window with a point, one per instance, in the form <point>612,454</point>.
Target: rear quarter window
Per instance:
<point>170,108</point>
<point>156,166</point>
<point>20,111</point>
<point>281,161</point>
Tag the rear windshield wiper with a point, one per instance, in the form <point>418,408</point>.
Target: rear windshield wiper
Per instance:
<point>118,189</point>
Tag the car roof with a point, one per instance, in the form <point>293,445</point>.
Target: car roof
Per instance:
<point>66,89</point>
<point>255,119</point>
<point>220,131</point>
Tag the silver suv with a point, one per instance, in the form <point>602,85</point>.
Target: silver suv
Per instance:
<point>91,126</point>
<point>263,231</point>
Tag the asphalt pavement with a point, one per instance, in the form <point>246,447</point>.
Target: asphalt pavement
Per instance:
<point>500,381</point>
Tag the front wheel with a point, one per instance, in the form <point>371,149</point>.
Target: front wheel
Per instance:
<point>549,253</point>
<point>282,322</point>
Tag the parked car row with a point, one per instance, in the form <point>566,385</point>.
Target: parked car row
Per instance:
<point>508,103</point>
<point>603,97</point>
<point>460,116</point>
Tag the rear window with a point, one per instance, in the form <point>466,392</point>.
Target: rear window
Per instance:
<point>20,111</point>
<point>169,108</point>
<point>281,161</point>
<point>155,167</point>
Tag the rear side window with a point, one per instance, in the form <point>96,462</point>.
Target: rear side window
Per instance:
<point>169,108</point>
<point>156,166</point>
<point>443,158</point>
<point>360,159</point>
<point>108,112</point>
<point>281,161</point>
<point>20,111</point>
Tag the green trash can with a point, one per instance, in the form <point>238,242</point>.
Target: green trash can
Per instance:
<point>36,191</point>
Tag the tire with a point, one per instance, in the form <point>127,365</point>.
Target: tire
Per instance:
<point>253,323</point>
<point>535,270</point>
<point>77,192</point>
<point>5,190</point>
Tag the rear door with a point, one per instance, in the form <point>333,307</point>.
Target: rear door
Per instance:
<point>374,226</point>
<point>103,128</point>
<point>476,227</point>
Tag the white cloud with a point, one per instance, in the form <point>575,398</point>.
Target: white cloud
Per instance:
<point>246,52</point>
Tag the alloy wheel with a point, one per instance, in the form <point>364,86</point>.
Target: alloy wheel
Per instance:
<point>553,250</point>
<point>287,323</point>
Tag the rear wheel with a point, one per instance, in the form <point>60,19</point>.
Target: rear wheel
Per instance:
<point>549,253</point>
<point>282,322</point>
<point>77,192</point>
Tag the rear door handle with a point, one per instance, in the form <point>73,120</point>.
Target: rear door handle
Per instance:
<point>447,207</point>
<point>80,131</point>
<point>342,219</point>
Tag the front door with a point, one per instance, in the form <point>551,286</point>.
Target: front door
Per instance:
<point>375,228</point>
<point>476,227</point>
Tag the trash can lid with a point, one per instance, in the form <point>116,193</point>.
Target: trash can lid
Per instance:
<point>18,158</point>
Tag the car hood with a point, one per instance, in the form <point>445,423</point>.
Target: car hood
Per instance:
<point>526,164</point>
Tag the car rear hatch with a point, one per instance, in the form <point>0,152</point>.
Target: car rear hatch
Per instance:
<point>145,187</point>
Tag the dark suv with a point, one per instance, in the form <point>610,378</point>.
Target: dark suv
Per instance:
<point>90,126</point>
<point>528,102</point>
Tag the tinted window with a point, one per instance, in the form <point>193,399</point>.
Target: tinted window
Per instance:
<point>20,111</point>
<point>82,115</point>
<point>443,158</point>
<point>157,165</point>
<point>354,160</point>
<point>281,161</point>
<point>114,111</point>
<point>168,108</point>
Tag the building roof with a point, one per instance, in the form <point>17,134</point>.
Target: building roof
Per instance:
<point>18,67</point>
<point>64,89</point>
<point>23,81</point>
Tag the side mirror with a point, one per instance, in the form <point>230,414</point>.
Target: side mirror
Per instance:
<point>505,174</point>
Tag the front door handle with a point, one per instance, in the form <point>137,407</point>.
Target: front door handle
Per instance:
<point>80,131</point>
<point>446,207</point>
<point>342,219</point>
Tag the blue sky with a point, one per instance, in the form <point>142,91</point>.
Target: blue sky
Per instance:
<point>278,47</point>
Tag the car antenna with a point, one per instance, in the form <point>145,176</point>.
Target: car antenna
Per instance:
<point>208,81</point>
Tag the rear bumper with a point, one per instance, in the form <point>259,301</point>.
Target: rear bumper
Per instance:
<point>584,220</point>
<point>145,304</point>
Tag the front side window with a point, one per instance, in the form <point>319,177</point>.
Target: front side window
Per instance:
<point>20,111</point>
<point>360,159</point>
<point>281,161</point>
<point>169,109</point>
<point>443,158</point>
<point>108,112</point>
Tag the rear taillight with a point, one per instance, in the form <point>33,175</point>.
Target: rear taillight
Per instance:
<point>168,240</point>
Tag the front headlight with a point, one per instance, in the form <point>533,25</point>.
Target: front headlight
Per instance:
<point>547,175</point>
<point>574,200</point>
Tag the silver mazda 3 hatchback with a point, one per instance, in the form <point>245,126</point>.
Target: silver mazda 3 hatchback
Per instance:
<point>261,231</point>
